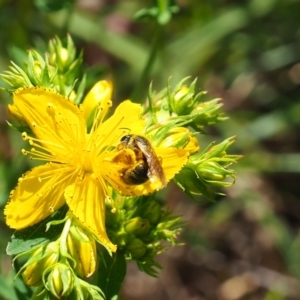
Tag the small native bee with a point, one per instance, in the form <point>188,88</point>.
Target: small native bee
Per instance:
<point>147,166</point>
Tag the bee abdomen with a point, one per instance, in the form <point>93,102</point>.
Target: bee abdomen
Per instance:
<point>137,174</point>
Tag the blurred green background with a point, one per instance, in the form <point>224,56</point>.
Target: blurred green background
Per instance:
<point>247,244</point>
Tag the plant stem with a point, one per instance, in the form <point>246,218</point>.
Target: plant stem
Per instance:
<point>141,86</point>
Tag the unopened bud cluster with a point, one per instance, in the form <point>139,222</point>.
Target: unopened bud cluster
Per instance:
<point>59,69</point>
<point>57,269</point>
<point>176,118</point>
<point>182,106</point>
<point>139,227</point>
<point>208,169</point>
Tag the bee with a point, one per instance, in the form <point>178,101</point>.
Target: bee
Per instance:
<point>147,166</point>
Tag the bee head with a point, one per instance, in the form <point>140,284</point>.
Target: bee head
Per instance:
<point>126,138</point>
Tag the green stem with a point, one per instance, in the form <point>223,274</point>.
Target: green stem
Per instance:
<point>63,237</point>
<point>141,86</point>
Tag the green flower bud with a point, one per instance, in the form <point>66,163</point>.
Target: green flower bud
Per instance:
<point>112,216</point>
<point>83,290</point>
<point>183,101</point>
<point>183,98</point>
<point>43,258</point>
<point>60,56</point>
<point>152,212</point>
<point>212,171</point>
<point>64,55</point>
<point>136,248</point>
<point>37,68</point>
<point>207,169</point>
<point>187,180</point>
<point>137,226</point>
<point>120,239</point>
<point>60,281</point>
<point>169,228</point>
<point>207,113</point>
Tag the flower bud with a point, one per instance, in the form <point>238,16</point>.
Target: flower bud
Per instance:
<point>181,137</point>
<point>112,216</point>
<point>211,171</point>
<point>181,93</point>
<point>183,101</point>
<point>208,113</point>
<point>83,290</point>
<point>37,68</point>
<point>169,228</point>
<point>82,248</point>
<point>188,181</point>
<point>60,281</point>
<point>137,226</point>
<point>152,212</point>
<point>63,56</point>
<point>42,258</point>
<point>208,169</point>
<point>120,239</point>
<point>136,248</point>
<point>99,95</point>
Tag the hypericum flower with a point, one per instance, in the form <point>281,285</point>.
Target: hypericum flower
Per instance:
<point>79,164</point>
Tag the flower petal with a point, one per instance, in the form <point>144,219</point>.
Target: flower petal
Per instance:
<point>35,197</point>
<point>52,118</point>
<point>173,159</point>
<point>127,119</point>
<point>86,200</point>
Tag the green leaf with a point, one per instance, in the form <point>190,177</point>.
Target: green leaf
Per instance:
<point>27,238</point>
<point>112,273</point>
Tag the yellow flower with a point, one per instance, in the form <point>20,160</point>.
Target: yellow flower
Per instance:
<point>79,164</point>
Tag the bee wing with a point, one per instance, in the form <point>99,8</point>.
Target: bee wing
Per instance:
<point>153,161</point>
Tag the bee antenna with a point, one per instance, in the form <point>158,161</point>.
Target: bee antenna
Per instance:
<point>125,128</point>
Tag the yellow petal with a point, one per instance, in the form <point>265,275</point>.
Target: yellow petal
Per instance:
<point>51,117</point>
<point>15,114</point>
<point>86,200</point>
<point>127,119</point>
<point>173,159</point>
<point>100,92</point>
<point>38,194</point>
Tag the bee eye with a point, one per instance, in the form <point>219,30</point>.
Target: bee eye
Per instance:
<point>125,138</point>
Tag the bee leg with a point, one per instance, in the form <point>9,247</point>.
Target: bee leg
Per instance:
<point>125,156</point>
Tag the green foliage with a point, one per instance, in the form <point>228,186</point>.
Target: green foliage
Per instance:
<point>30,237</point>
<point>112,275</point>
